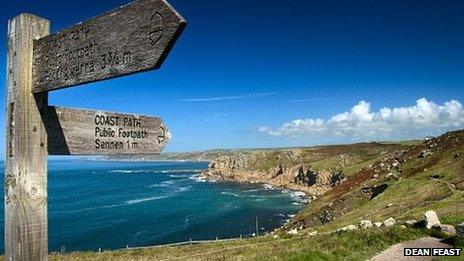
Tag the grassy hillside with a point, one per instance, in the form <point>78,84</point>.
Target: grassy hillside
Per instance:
<point>429,175</point>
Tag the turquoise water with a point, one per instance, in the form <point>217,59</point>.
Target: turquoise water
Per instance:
<point>110,205</point>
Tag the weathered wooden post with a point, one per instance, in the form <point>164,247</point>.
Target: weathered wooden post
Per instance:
<point>26,146</point>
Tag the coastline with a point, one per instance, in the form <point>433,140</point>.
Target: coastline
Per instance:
<point>296,188</point>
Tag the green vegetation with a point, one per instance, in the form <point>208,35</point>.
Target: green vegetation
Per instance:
<point>356,245</point>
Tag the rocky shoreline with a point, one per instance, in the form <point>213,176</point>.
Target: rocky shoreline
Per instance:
<point>298,177</point>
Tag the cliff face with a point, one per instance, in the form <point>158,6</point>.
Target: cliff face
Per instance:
<point>298,177</point>
<point>312,170</point>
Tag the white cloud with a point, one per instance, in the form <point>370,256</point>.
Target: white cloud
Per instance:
<point>423,118</point>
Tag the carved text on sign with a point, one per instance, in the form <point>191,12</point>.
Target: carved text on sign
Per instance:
<point>75,131</point>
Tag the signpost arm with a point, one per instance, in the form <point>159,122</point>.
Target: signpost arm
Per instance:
<point>26,146</point>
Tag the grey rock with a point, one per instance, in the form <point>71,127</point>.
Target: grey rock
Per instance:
<point>446,229</point>
<point>351,227</point>
<point>293,232</point>
<point>365,224</point>
<point>313,233</point>
<point>346,228</point>
<point>389,222</point>
<point>431,219</point>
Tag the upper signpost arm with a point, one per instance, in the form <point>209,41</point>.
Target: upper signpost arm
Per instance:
<point>133,38</point>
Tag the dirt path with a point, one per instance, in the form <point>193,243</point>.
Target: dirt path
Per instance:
<point>395,252</point>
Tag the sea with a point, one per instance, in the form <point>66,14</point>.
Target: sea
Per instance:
<point>111,205</point>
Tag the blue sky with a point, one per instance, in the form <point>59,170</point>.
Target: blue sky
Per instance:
<point>252,73</point>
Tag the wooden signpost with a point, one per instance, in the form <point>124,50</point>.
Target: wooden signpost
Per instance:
<point>133,38</point>
<point>130,39</point>
<point>85,132</point>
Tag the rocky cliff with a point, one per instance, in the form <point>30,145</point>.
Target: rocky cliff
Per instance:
<point>313,170</point>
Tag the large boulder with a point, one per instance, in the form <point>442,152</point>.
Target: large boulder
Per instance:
<point>460,230</point>
<point>365,224</point>
<point>389,222</point>
<point>351,227</point>
<point>431,219</point>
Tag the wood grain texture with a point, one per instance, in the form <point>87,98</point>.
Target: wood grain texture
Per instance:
<point>89,132</point>
<point>133,38</point>
<point>26,147</point>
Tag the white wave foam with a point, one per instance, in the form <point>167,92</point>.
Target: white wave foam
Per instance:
<point>268,187</point>
<point>176,191</point>
<point>140,200</point>
<point>163,184</point>
<point>260,196</point>
<point>230,194</point>
<point>298,194</point>
<point>179,176</point>
<point>198,178</point>
<point>300,197</point>
<point>124,171</point>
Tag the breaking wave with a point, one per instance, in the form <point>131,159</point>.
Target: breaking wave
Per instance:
<point>268,187</point>
<point>300,198</point>
<point>135,201</point>
<point>176,191</point>
<point>198,178</point>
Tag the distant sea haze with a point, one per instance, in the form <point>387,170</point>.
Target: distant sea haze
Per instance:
<point>111,205</point>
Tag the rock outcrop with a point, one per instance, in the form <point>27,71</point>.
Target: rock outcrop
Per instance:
<point>299,176</point>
